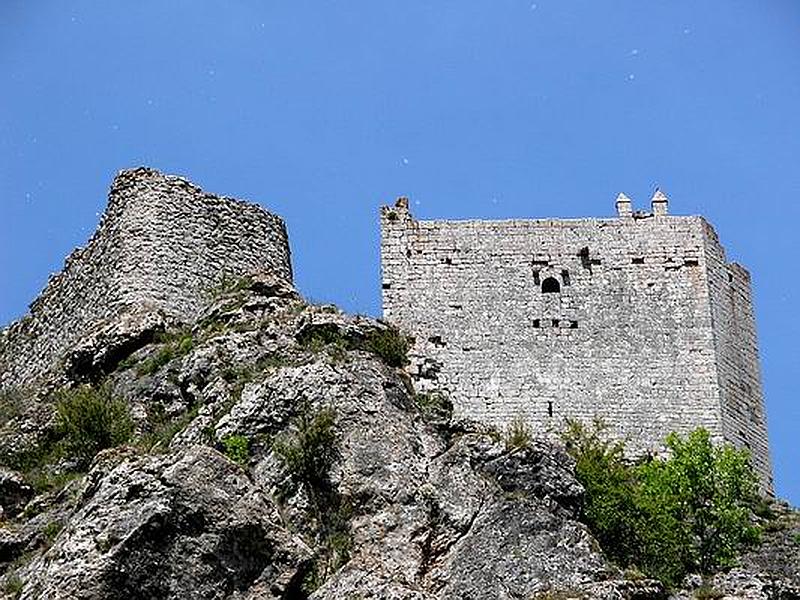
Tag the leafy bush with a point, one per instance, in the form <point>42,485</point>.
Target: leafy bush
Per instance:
<point>229,284</point>
<point>693,511</point>
<point>237,448</point>
<point>89,420</point>
<point>51,531</point>
<point>317,338</point>
<point>311,450</point>
<point>163,429</point>
<point>13,585</point>
<point>518,434</point>
<point>707,592</point>
<point>308,453</point>
<point>389,344</point>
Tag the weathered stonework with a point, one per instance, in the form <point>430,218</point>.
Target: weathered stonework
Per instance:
<point>637,319</point>
<point>162,245</point>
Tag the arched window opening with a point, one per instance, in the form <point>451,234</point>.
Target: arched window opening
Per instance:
<point>551,286</point>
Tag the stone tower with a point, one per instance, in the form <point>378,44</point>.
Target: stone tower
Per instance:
<point>161,246</point>
<point>638,319</point>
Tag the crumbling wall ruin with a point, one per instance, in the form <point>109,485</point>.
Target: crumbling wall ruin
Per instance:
<point>162,245</point>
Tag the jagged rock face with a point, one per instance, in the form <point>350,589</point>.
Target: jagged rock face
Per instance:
<point>409,506</point>
<point>186,524</point>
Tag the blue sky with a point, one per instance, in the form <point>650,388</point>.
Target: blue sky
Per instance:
<point>323,110</point>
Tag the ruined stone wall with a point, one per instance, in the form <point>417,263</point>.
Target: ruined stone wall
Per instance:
<point>162,244</point>
<point>629,336</point>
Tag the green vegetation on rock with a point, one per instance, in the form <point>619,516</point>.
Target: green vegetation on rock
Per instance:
<point>388,343</point>
<point>89,420</point>
<point>308,453</point>
<point>434,405</point>
<point>237,448</point>
<point>690,512</point>
<point>518,434</point>
<point>311,449</point>
<point>175,344</point>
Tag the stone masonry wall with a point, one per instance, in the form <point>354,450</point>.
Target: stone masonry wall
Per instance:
<point>629,336</point>
<point>162,244</point>
<point>743,415</point>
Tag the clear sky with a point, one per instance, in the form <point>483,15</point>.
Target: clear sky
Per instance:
<point>323,110</point>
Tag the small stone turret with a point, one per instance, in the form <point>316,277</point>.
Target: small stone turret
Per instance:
<point>659,204</point>
<point>624,208</point>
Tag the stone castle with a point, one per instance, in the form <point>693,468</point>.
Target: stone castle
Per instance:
<point>161,245</point>
<point>638,320</point>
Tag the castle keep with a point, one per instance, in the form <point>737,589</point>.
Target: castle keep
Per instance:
<point>162,245</point>
<point>638,319</point>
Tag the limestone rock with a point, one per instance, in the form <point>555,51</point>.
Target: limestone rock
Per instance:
<point>188,524</point>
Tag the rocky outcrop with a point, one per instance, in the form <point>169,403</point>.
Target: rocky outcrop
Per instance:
<point>278,455</point>
<point>188,524</point>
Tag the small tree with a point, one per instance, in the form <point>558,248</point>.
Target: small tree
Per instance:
<point>709,493</point>
<point>690,512</point>
<point>609,507</point>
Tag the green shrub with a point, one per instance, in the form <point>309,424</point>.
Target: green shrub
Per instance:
<point>89,420</point>
<point>693,511</point>
<point>707,592</point>
<point>389,344</point>
<point>434,405</point>
<point>229,284</point>
<point>608,508</point>
<point>164,429</point>
<point>518,434</point>
<point>710,493</point>
<point>175,344</point>
<point>51,531</point>
<point>310,451</point>
<point>334,544</point>
<point>237,448</point>
<point>320,337</point>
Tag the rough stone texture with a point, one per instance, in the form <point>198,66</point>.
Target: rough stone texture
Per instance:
<point>649,327</point>
<point>162,244</point>
<point>434,512</point>
<point>188,525</point>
